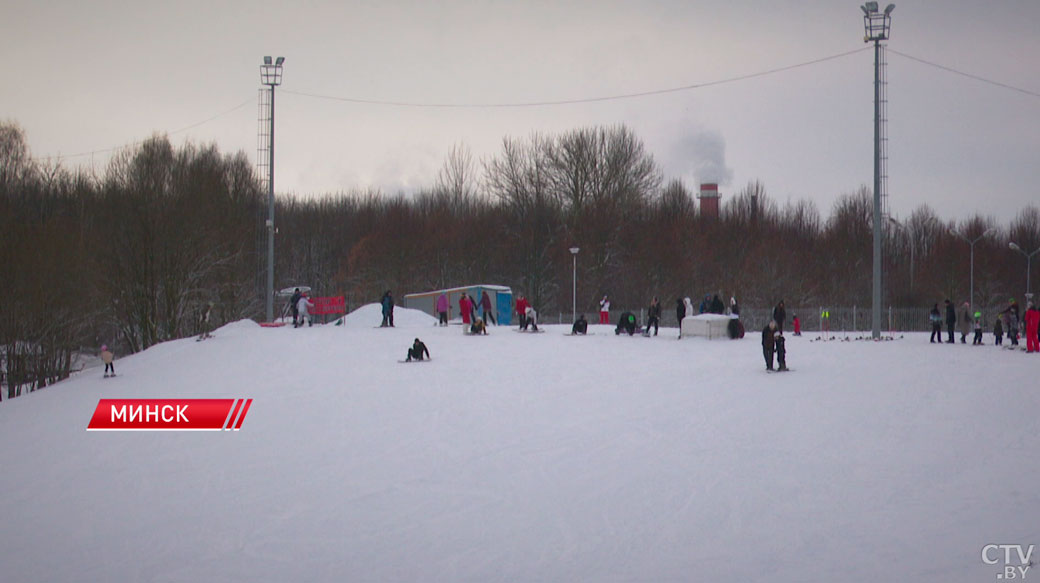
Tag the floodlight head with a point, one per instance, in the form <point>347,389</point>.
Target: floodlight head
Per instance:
<point>889,9</point>
<point>1014,247</point>
<point>865,11</point>
<point>575,250</point>
<point>267,60</point>
<point>870,7</point>
<point>279,61</point>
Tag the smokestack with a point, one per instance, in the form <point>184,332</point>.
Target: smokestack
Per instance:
<point>709,197</point>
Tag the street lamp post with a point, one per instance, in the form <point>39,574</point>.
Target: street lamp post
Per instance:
<point>876,26</point>
<point>574,289</point>
<point>271,75</point>
<point>1029,259</point>
<point>971,244</point>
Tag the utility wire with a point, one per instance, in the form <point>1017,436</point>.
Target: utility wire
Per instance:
<point>138,142</point>
<point>582,100</point>
<point>968,75</point>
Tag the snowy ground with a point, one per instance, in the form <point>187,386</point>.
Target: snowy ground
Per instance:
<point>530,457</point>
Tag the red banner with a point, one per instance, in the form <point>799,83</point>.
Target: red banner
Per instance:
<point>169,414</point>
<point>336,305</point>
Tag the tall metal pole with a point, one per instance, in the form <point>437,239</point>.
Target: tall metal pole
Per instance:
<point>876,316</point>
<point>270,75</point>
<point>270,217</point>
<point>574,289</point>
<point>875,26</point>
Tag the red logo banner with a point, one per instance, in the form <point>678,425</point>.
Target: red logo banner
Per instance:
<point>169,414</point>
<point>329,305</point>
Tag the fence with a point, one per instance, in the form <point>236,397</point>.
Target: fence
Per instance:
<point>853,319</point>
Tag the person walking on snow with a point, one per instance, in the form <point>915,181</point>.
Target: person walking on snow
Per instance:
<point>653,315</point>
<point>769,343</point>
<point>951,320</point>
<point>966,321</point>
<point>387,302</point>
<point>292,305</point>
<point>977,340</point>
<point>487,308</point>
<point>465,309</point>
<point>1012,321</point>
<point>521,311</point>
<point>304,306</point>
<point>107,357</point>
<point>1032,328</point>
<point>936,320</point>
<point>604,311</point>
<point>417,351</point>
<point>442,309</point>
<point>780,315</point>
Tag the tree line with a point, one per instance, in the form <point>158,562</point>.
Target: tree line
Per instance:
<point>132,257</point>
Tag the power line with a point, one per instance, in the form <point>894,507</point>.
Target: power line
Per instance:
<point>968,75</point>
<point>581,100</point>
<point>138,142</point>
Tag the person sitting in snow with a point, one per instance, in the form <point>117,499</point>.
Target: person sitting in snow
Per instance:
<point>417,351</point>
<point>627,323</point>
<point>581,326</point>
<point>478,327</point>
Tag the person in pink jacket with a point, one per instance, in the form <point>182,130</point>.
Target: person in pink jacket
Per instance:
<point>442,309</point>
<point>487,308</point>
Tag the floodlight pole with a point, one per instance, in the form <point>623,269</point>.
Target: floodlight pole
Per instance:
<point>1029,260</point>
<point>876,25</point>
<point>271,75</point>
<point>971,244</point>
<point>574,289</point>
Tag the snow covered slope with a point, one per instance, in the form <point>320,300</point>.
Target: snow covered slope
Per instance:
<point>530,457</point>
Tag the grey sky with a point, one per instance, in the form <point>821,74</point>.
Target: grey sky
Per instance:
<point>83,77</point>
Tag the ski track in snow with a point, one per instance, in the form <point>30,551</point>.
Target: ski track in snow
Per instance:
<point>529,457</point>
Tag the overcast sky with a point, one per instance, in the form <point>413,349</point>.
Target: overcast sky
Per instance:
<point>89,76</point>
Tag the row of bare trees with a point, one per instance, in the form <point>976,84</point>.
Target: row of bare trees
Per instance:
<point>133,256</point>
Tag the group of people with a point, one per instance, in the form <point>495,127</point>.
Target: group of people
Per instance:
<point>301,305</point>
<point>1009,321</point>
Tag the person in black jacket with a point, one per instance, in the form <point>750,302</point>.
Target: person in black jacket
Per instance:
<point>780,315</point>
<point>769,343</point>
<point>581,325</point>
<point>417,350</point>
<point>717,307</point>
<point>951,320</point>
<point>680,310</point>
<point>627,323</point>
<point>295,299</point>
<point>653,316</point>
<point>936,319</point>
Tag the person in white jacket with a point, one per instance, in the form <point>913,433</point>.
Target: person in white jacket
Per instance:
<point>304,306</point>
<point>604,311</point>
<point>532,319</point>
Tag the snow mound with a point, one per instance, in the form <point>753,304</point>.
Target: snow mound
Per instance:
<point>239,326</point>
<point>371,315</point>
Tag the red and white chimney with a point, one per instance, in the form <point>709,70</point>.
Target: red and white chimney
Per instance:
<point>709,197</point>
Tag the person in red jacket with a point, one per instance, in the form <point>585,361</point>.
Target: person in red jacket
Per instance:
<point>1032,328</point>
<point>521,311</point>
<point>465,308</point>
